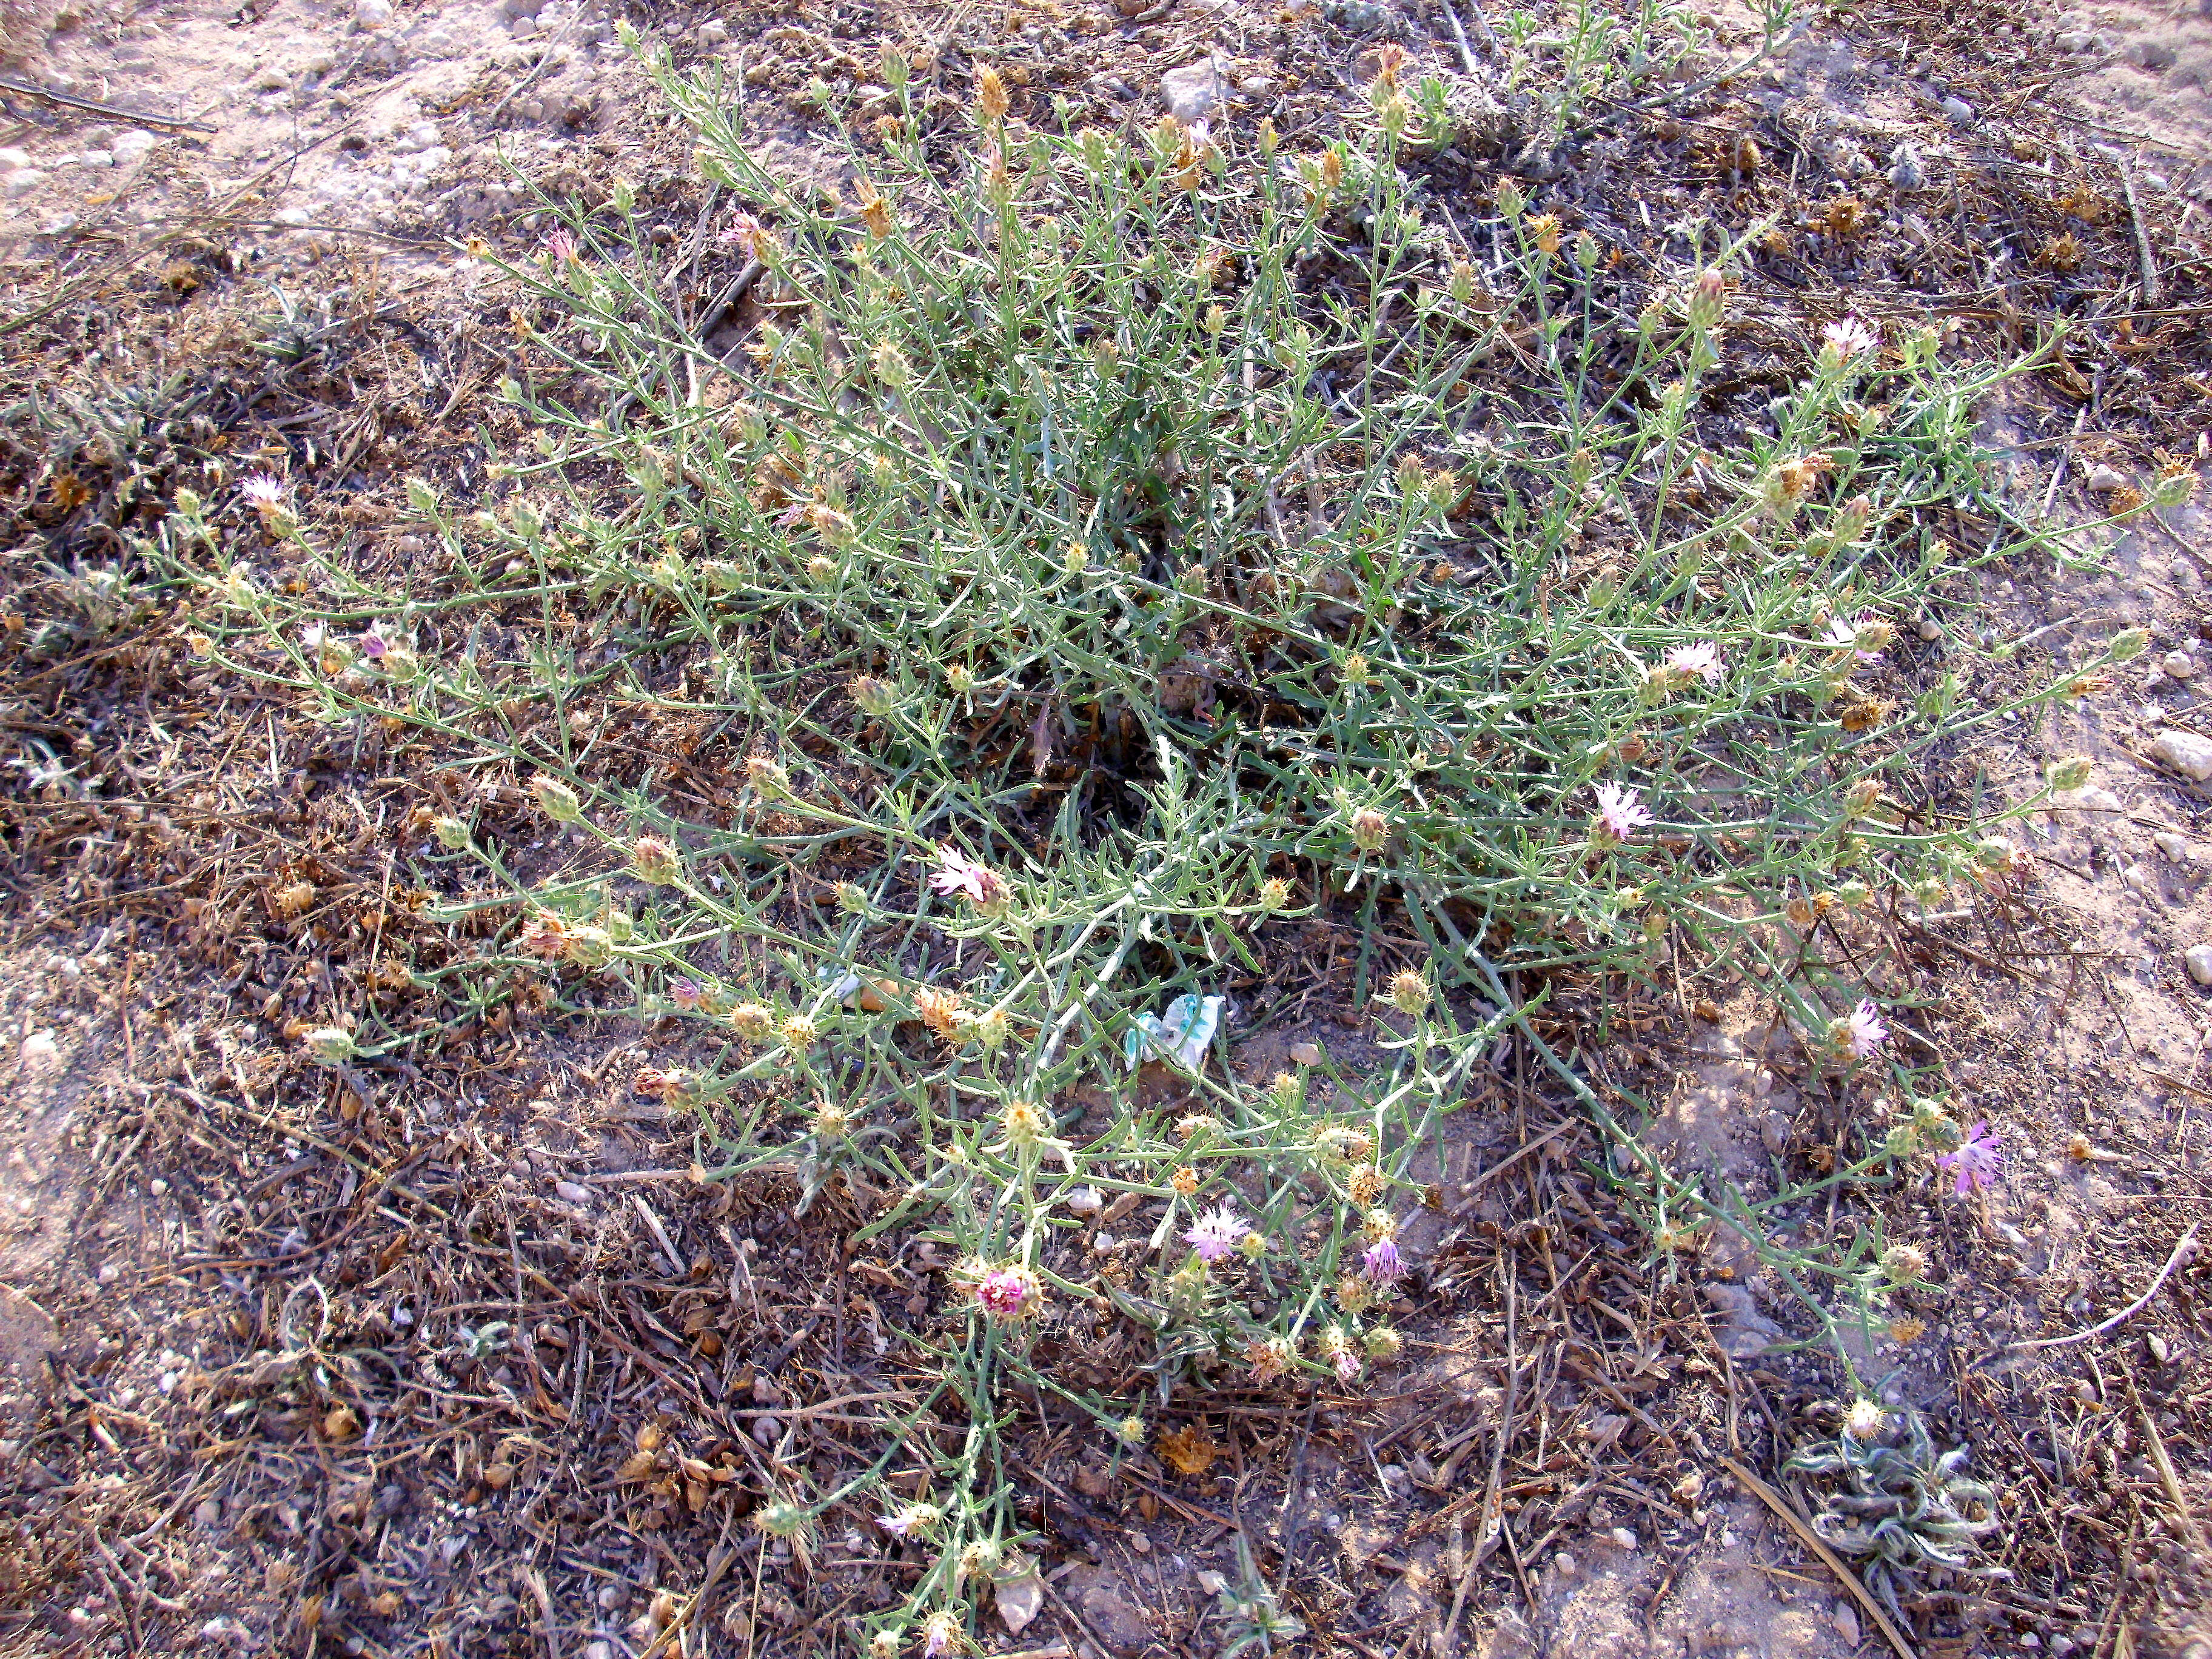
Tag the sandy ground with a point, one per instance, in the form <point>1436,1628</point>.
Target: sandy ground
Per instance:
<point>372,127</point>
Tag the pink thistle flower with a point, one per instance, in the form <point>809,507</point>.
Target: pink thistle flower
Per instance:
<point>561,246</point>
<point>1619,812</point>
<point>1381,1261</point>
<point>940,1633</point>
<point>747,233</point>
<point>373,645</point>
<point>1347,1364</point>
<point>264,492</point>
<point>1215,1236</point>
<point>1701,660</point>
<point>1844,635</point>
<point>961,874</point>
<point>1862,1032</point>
<point>1976,1161</point>
<point>687,994</point>
<point>1004,1293</point>
<point>1848,338</point>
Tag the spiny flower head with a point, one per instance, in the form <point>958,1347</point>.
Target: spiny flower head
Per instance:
<point>940,1631</point>
<point>1865,1420</point>
<point>1214,1236</point>
<point>991,100</point>
<point>766,777</point>
<point>654,861</point>
<point>1905,1264</point>
<point>1024,1125</point>
<point>1409,992</point>
<point>799,1032</point>
<point>980,1558</point>
<point>1337,1347</point>
<point>1009,1292</point>
<point>1370,830</point>
<point>1270,1358</point>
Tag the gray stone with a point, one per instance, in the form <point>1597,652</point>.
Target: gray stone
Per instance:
<point>1959,110</point>
<point>1108,1608</point>
<point>2178,664</point>
<point>1193,92</point>
<point>2198,958</point>
<point>2185,752</point>
<point>2105,476</point>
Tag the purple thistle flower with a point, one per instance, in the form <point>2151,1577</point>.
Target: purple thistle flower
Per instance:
<point>1347,1364</point>
<point>373,645</point>
<point>687,994</point>
<point>1215,1236</point>
<point>1003,1292</point>
<point>1383,1263</point>
<point>1976,1161</point>
<point>1619,812</point>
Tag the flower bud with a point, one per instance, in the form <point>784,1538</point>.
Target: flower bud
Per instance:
<point>588,947</point>
<point>1708,300</point>
<point>1904,1264</point>
<point>1409,992</point>
<point>2072,773</point>
<point>2128,643</point>
<point>556,800</point>
<point>1370,830</point>
<point>330,1045</point>
<point>655,861</point>
<point>1274,893</point>
<point>768,779</point>
<point>452,834</point>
